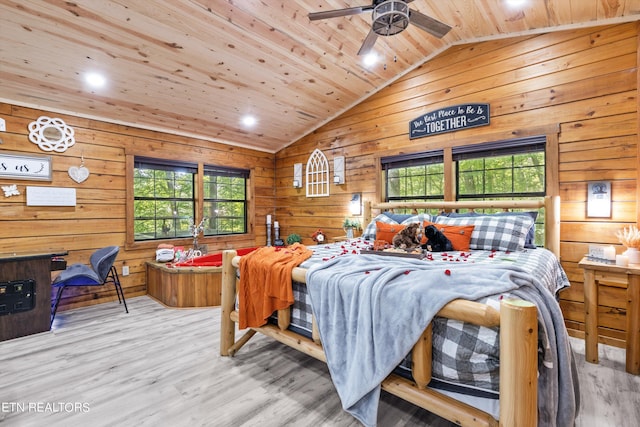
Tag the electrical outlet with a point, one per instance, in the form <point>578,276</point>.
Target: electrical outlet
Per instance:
<point>3,125</point>
<point>125,270</point>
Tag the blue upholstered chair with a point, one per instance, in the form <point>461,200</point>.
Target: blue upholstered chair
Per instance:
<point>101,272</point>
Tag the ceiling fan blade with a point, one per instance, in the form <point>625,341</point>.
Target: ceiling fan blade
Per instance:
<point>368,43</point>
<point>428,24</point>
<point>314,16</point>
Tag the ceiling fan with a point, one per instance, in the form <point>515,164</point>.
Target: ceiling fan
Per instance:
<point>389,17</point>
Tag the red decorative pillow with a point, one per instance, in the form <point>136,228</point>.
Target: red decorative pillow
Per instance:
<point>459,235</point>
<point>386,231</point>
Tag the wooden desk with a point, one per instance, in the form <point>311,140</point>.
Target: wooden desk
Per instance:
<point>596,273</point>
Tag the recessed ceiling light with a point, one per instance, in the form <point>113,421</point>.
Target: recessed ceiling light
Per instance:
<point>370,59</point>
<point>95,80</point>
<point>249,120</point>
<point>515,3</point>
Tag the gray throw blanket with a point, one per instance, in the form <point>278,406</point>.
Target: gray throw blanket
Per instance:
<point>371,310</point>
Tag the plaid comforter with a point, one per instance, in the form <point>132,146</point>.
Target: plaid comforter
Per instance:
<point>465,356</point>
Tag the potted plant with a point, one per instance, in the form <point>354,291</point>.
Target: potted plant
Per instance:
<point>293,238</point>
<point>630,238</point>
<point>350,225</point>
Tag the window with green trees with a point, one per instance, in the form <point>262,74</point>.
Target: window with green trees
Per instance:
<point>225,201</point>
<point>414,177</point>
<point>510,169</point>
<point>164,201</point>
<point>164,204</point>
<point>513,169</point>
<point>501,176</point>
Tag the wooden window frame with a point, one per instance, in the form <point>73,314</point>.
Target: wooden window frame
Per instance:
<point>447,142</point>
<point>501,148</point>
<point>132,244</point>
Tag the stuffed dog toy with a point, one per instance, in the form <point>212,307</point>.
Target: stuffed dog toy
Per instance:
<point>408,238</point>
<point>436,240</point>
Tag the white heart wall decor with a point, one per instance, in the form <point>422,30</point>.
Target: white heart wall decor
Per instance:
<point>78,174</point>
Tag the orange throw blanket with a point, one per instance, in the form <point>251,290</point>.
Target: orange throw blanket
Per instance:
<point>265,282</point>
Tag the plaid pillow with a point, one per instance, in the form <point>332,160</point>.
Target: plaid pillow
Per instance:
<point>396,217</point>
<point>506,233</point>
<point>419,218</point>
<point>530,241</point>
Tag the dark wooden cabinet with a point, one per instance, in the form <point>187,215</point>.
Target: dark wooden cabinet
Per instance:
<point>16,271</point>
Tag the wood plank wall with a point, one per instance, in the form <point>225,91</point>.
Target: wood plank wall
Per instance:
<point>98,219</point>
<point>583,83</point>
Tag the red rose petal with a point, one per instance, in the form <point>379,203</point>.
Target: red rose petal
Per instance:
<point>447,272</point>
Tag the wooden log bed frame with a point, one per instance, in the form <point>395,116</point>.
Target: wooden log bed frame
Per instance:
<point>517,320</point>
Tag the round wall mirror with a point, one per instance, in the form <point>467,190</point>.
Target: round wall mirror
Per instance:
<point>51,134</point>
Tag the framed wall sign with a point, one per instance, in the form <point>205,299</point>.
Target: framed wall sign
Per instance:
<point>20,166</point>
<point>449,119</point>
<point>50,196</point>
<point>599,199</point>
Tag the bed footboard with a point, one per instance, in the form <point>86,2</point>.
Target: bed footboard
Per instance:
<point>518,354</point>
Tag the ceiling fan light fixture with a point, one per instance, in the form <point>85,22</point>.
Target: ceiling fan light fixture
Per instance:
<point>390,17</point>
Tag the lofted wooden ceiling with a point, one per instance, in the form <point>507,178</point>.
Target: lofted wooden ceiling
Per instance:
<point>195,67</point>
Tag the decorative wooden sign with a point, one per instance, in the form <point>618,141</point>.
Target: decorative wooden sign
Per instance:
<point>449,119</point>
<point>19,166</point>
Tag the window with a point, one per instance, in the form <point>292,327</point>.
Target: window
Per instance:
<point>501,170</point>
<point>510,169</point>
<point>165,201</point>
<point>225,201</point>
<point>414,177</point>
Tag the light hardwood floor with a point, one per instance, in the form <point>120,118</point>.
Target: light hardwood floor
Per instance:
<point>158,366</point>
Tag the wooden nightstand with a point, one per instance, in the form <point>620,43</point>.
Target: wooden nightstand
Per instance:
<point>596,273</point>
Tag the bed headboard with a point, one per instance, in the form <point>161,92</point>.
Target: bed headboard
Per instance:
<point>551,205</point>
